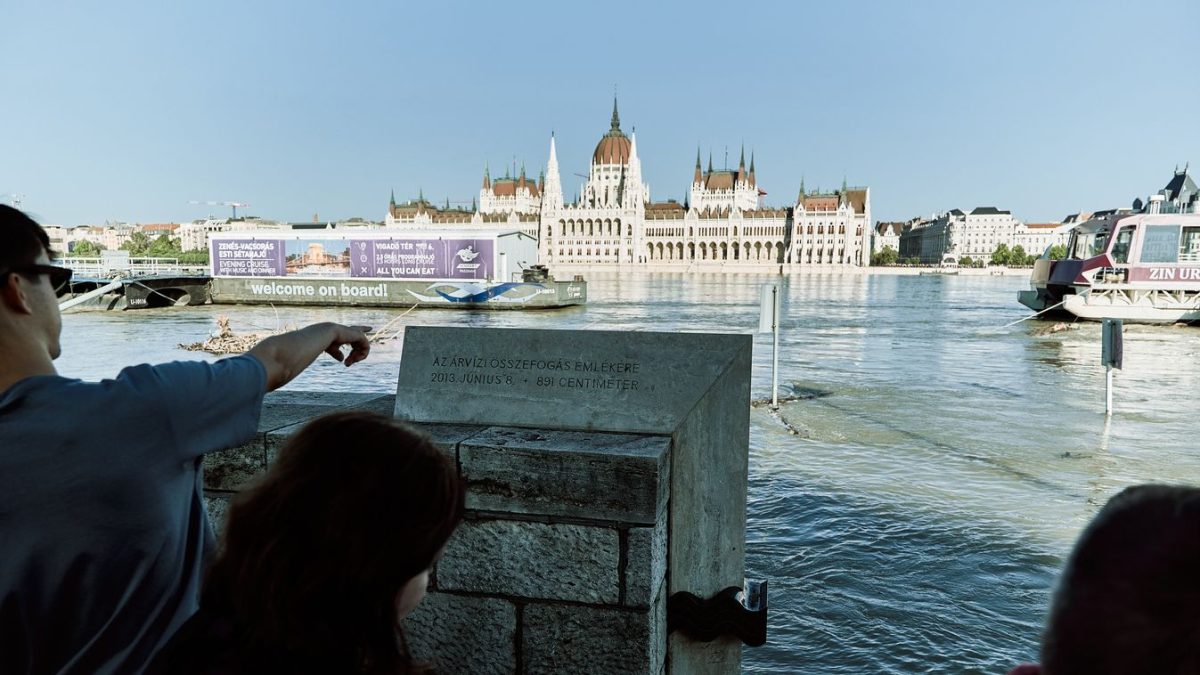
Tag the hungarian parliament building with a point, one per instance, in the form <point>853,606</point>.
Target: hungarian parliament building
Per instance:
<point>613,222</point>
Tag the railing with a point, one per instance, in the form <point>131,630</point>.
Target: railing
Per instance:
<point>139,266</point>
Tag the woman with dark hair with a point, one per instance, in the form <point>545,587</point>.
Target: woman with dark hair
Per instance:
<point>322,559</point>
<point>1128,601</point>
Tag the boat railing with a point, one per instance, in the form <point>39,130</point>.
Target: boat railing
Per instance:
<point>139,266</point>
<point>1112,275</point>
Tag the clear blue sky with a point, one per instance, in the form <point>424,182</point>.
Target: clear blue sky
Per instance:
<point>129,110</point>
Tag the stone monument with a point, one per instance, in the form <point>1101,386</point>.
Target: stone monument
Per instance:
<point>606,471</point>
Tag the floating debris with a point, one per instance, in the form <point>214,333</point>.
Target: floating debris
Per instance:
<point>1056,328</point>
<point>226,341</point>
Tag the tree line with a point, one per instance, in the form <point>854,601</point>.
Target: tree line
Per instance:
<point>1003,255</point>
<point>141,244</point>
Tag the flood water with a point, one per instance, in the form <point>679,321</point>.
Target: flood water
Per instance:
<point>943,465</point>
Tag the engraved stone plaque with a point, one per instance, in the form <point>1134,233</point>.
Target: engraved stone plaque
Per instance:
<point>561,379</point>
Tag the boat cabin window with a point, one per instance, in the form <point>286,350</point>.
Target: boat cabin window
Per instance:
<point>1189,245</point>
<point>1088,244</point>
<point>1160,244</point>
<point>1120,249</point>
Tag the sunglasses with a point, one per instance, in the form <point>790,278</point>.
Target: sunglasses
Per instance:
<point>59,276</point>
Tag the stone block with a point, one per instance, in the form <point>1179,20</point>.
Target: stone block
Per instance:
<point>283,409</point>
<point>579,640</point>
<point>645,563</point>
<point>533,560</point>
<point>446,437</point>
<point>382,404</point>
<point>234,468</point>
<point>449,437</point>
<point>581,380</point>
<point>462,634</point>
<point>598,476</point>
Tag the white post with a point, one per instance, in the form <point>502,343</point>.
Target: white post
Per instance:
<point>1112,353</point>
<point>768,320</point>
<point>775,347</point>
<point>1108,381</point>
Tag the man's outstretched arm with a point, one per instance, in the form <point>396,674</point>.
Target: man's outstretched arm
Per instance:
<point>286,356</point>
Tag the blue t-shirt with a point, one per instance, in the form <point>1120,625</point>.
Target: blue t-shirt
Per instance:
<point>103,530</point>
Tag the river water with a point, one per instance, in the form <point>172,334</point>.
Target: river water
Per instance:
<point>943,465</point>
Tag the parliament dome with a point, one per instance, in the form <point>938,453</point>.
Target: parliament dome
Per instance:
<point>614,147</point>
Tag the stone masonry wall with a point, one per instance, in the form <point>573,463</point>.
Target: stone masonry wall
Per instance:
<point>561,563</point>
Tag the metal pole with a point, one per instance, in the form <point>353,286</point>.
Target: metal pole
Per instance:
<point>775,349</point>
<point>1108,387</point>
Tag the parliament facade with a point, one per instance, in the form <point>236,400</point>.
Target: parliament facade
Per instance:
<point>613,222</point>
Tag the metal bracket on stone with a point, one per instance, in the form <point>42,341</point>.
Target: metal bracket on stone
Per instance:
<point>733,611</point>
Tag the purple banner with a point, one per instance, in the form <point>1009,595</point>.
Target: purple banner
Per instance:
<point>422,258</point>
<point>248,258</point>
<point>356,258</point>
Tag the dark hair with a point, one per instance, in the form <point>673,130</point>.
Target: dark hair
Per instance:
<point>1129,597</point>
<point>21,239</point>
<point>313,556</point>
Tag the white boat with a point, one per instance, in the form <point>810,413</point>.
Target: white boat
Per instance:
<point>1143,268</point>
<point>1141,265</point>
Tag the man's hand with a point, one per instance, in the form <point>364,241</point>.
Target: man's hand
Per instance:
<point>356,338</point>
<point>286,356</point>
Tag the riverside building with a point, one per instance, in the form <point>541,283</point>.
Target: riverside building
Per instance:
<point>510,202</point>
<point>722,223</point>
<point>972,235</point>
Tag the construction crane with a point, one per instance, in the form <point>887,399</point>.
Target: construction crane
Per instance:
<point>233,205</point>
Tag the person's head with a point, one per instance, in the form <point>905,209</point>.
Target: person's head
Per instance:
<point>1129,597</point>
<point>325,555</point>
<point>28,286</point>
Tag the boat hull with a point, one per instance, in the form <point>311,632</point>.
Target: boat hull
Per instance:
<point>457,294</point>
<point>1135,305</point>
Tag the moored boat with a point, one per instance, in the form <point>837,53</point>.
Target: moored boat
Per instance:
<point>1141,265</point>
<point>382,268</point>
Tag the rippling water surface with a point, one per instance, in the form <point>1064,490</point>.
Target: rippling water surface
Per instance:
<point>943,464</point>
